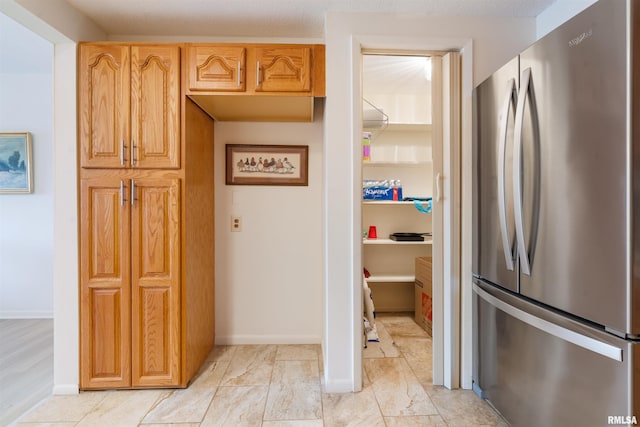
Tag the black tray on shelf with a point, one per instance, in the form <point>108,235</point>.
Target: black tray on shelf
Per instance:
<point>407,237</point>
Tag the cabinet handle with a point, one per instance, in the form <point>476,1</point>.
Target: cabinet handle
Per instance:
<point>239,72</point>
<point>258,74</point>
<point>134,147</point>
<point>123,150</point>
<point>133,191</point>
<point>123,199</point>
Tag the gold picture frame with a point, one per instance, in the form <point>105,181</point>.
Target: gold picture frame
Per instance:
<point>16,174</point>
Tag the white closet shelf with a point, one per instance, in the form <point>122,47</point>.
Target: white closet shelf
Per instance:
<point>396,163</point>
<point>380,278</point>
<point>395,242</point>
<point>390,202</point>
<point>409,126</point>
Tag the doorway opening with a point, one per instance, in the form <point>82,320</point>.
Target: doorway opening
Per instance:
<point>399,220</point>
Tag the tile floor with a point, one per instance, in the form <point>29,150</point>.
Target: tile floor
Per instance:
<point>280,385</point>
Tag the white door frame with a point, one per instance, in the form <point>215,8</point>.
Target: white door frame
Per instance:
<point>452,361</point>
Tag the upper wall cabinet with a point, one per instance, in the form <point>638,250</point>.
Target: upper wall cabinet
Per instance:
<point>255,69</point>
<point>129,106</point>
<point>255,82</point>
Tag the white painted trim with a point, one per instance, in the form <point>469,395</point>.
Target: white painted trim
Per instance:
<point>237,339</point>
<point>437,222</point>
<point>451,163</point>
<point>338,386</point>
<point>65,389</point>
<point>66,335</point>
<point>26,314</point>
<point>356,179</point>
<point>466,218</point>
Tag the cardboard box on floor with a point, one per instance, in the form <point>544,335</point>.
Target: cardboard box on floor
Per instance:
<point>423,294</point>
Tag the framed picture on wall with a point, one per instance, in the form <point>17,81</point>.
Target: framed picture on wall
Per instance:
<point>267,164</point>
<point>15,163</point>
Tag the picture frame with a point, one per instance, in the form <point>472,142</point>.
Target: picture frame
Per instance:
<point>16,175</point>
<point>267,164</point>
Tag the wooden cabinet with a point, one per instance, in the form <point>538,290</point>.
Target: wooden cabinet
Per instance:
<point>129,98</point>
<point>283,69</point>
<point>130,280</point>
<point>146,220</point>
<point>105,291</point>
<point>217,67</point>
<point>256,69</point>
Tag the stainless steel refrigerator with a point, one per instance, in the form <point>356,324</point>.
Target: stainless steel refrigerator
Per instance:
<point>557,225</point>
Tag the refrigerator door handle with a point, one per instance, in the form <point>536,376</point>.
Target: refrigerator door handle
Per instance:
<point>591,344</point>
<point>526,92</point>
<point>507,242</point>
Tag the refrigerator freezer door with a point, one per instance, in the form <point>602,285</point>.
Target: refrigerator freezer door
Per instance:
<point>575,184</point>
<point>539,368</point>
<point>494,239</point>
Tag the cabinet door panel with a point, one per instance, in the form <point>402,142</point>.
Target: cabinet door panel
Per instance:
<point>105,292</point>
<point>156,282</point>
<point>283,69</point>
<point>155,100</point>
<point>103,90</point>
<point>217,68</point>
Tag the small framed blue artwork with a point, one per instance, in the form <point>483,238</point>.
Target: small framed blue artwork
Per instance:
<point>15,163</point>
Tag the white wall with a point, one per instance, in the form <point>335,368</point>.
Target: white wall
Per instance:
<point>269,275</point>
<point>557,13</point>
<point>493,40</point>
<point>59,23</point>
<point>26,220</point>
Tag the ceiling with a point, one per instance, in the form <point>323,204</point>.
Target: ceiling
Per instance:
<point>272,18</point>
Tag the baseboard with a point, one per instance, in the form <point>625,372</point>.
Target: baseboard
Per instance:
<point>26,314</point>
<point>267,339</point>
<point>338,386</point>
<point>64,389</point>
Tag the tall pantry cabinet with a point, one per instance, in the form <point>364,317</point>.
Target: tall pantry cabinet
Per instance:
<point>146,219</point>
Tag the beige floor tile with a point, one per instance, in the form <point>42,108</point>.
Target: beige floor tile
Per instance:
<point>418,353</point>
<point>464,408</point>
<point>173,425</point>
<point>288,401</point>
<point>188,405</point>
<point>211,374</point>
<point>295,372</point>
<point>416,421</point>
<point>352,409</point>
<point>397,389</point>
<point>280,386</point>
<point>294,423</point>
<point>241,406</point>
<point>122,408</point>
<point>401,325</point>
<point>222,352</point>
<point>299,352</point>
<point>70,408</point>
<point>36,424</point>
<point>384,348</point>
<point>251,365</point>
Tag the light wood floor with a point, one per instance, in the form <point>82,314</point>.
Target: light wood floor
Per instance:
<point>26,365</point>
